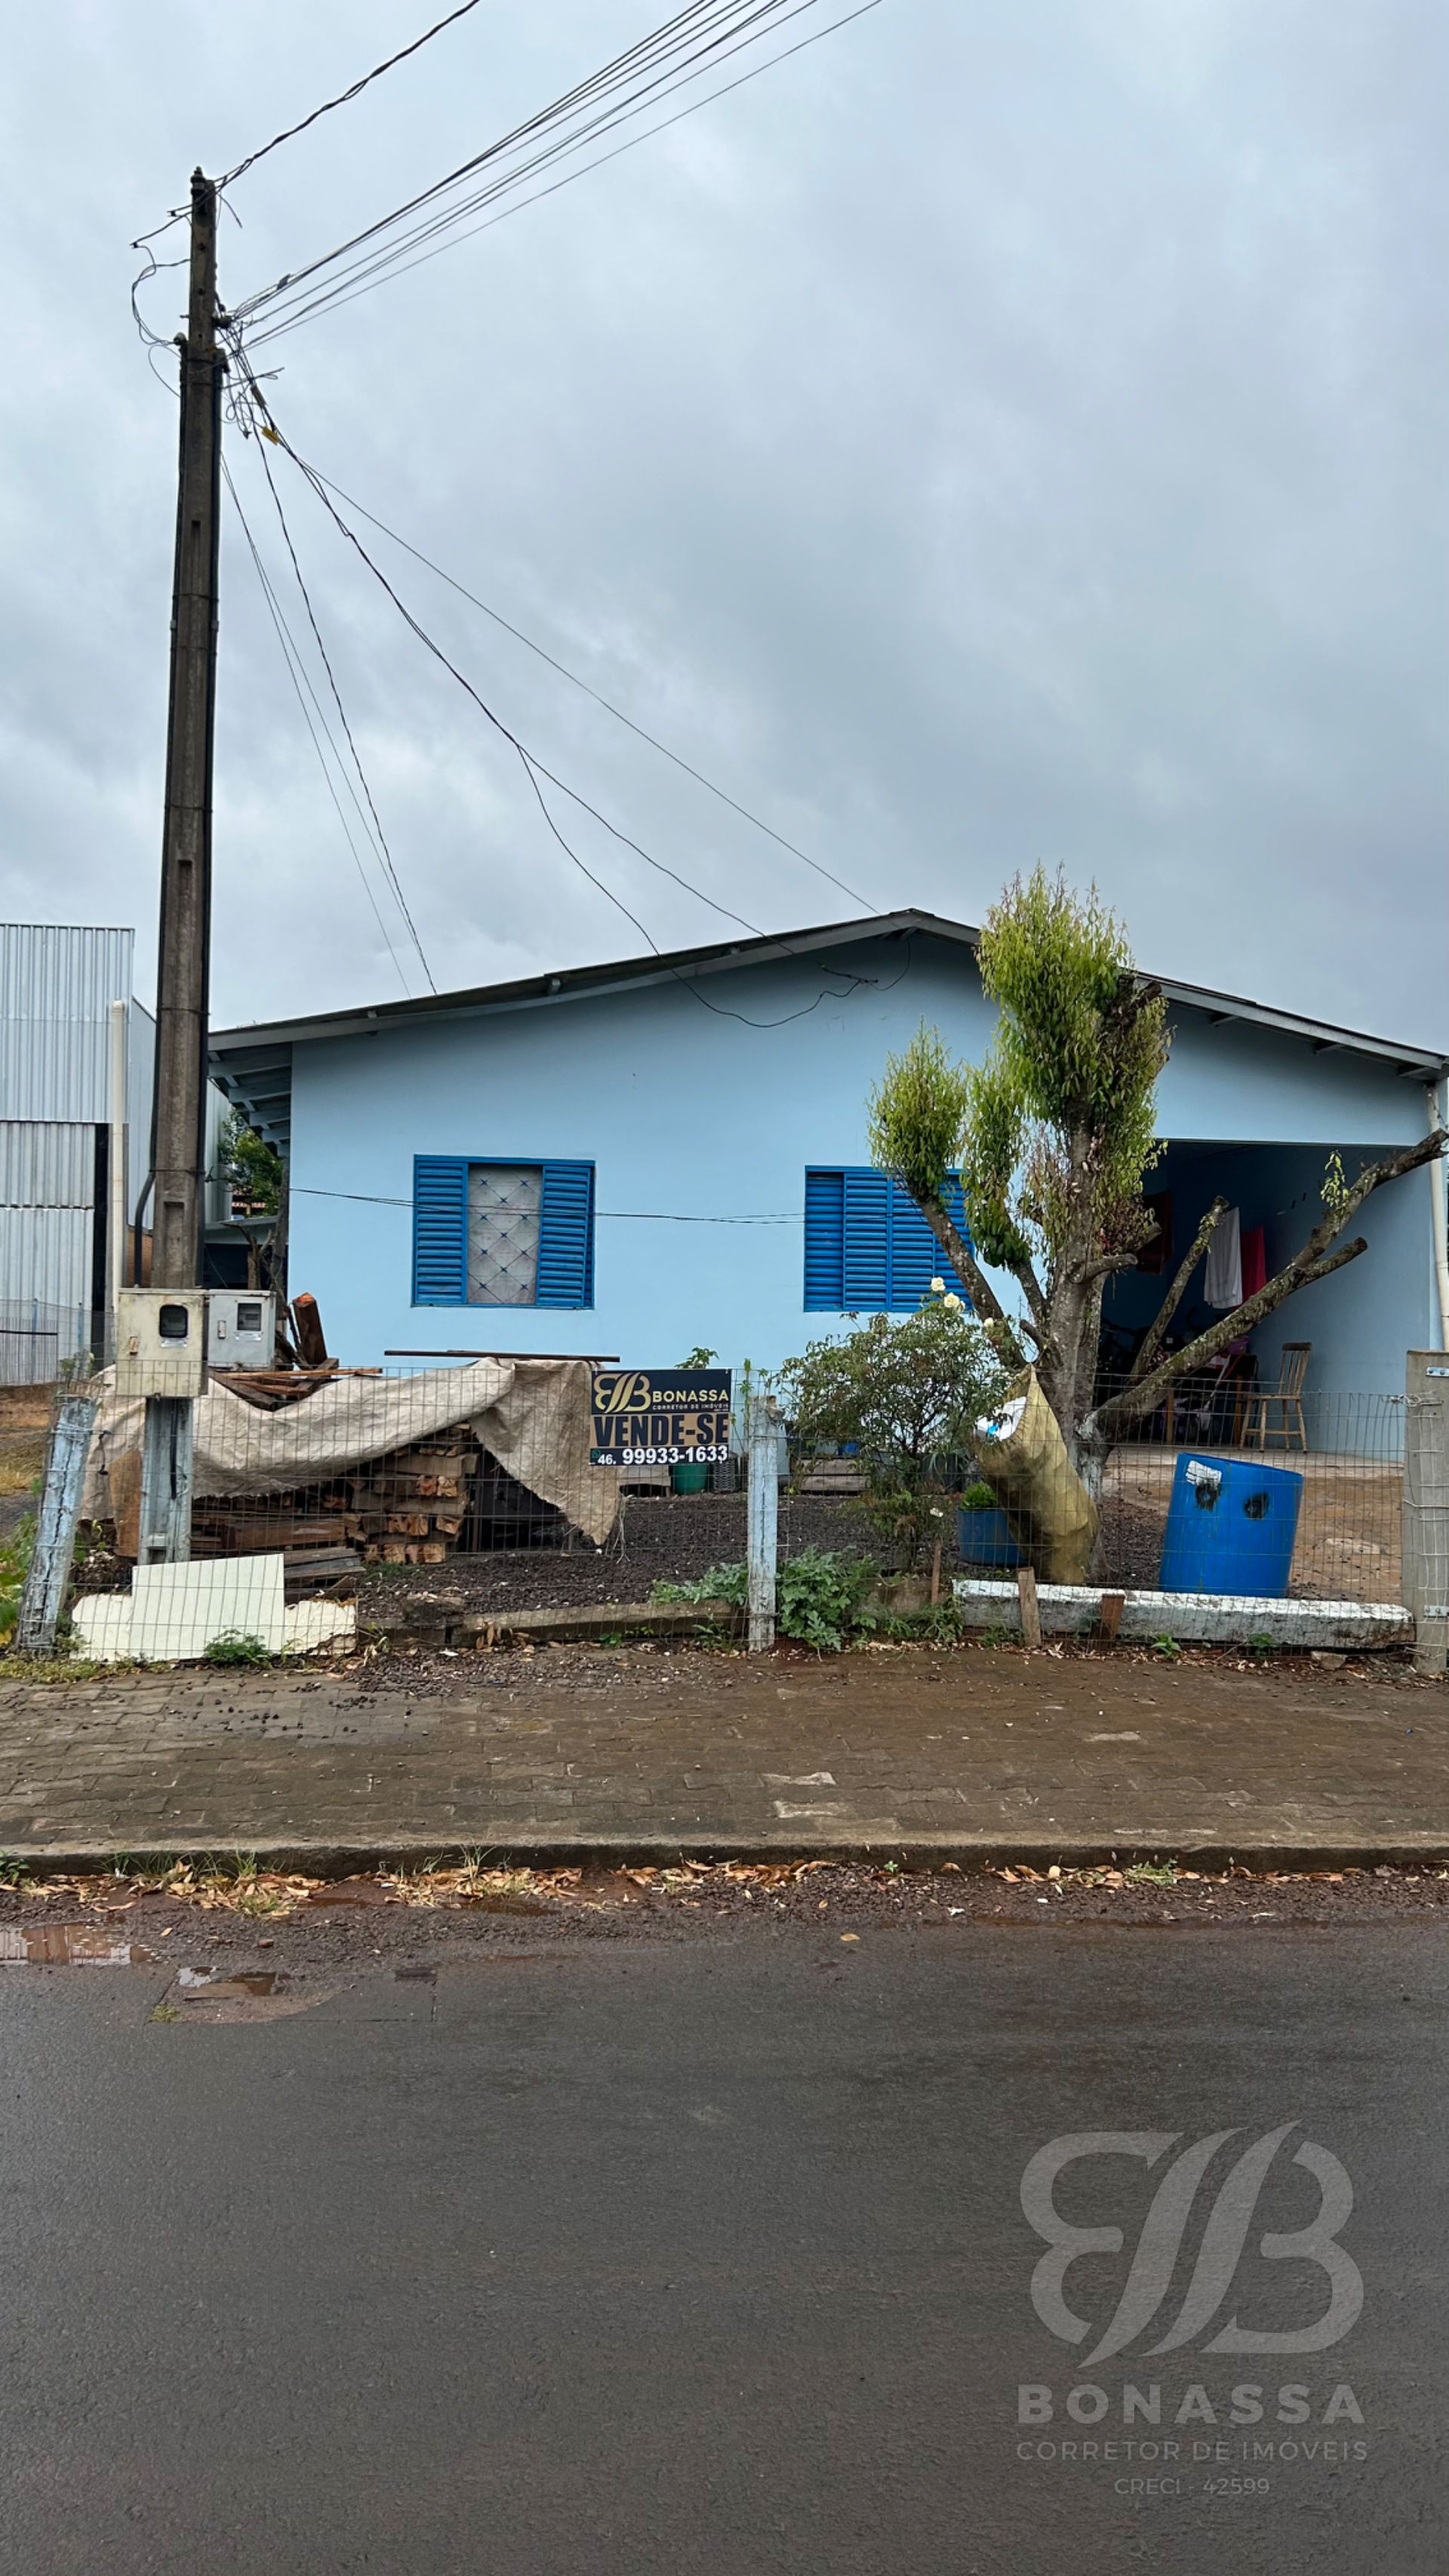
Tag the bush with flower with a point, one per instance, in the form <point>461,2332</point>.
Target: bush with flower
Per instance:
<point>904,1393</point>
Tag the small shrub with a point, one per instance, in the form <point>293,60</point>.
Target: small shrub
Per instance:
<point>904,1394</point>
<point>1262,1646</point>
<point>979,1497</point>
<point>232,1647</point>
<point>1167,1647</point>
<point>722,1583</point>
<point>819,1594</point>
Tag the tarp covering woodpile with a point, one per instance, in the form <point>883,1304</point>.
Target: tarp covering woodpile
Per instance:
<point>531,1415</point>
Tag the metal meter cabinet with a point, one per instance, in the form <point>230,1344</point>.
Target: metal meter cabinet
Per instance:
<point>241,1329</point>
<point>161,1342</point>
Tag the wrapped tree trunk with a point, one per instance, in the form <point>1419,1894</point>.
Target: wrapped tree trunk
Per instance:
<point>1024,1459</point>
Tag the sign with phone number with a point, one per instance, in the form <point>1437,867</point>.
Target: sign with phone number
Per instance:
<point>661,1417</point>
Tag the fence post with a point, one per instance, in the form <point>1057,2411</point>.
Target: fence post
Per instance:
<point>1426,1506</point>
<point>764,1519</point>
<point>166,1465</point>
<point>60,1501</point>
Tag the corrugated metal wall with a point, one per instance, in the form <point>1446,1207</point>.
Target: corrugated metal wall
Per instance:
<point>47,1190</point>
<point>44,1164</point>
<point>57,984</point>
<point>45,1256</point>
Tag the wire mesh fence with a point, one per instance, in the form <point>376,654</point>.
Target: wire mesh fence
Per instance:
<point>481,1484</point>
<point>40,1343</point>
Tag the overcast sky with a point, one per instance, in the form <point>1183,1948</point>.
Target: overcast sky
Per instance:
<point>1003,432</point>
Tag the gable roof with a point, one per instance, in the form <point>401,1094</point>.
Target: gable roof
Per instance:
<point>253,1065</point>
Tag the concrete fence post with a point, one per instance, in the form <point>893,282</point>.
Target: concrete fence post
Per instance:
<point>43,1598</point>
<point>764,1520</point>
<point>1426,1506</point>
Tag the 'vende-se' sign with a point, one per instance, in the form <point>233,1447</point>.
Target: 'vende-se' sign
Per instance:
<point>654,1417</point>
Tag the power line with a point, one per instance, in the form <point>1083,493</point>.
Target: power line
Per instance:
<point>589,691</point>
<point>344,96</point>
<point>680,51</point>
<point>301,682</point>
<point>534,767</point>
<point>392,874</point>
<point>334,300</point>
<point>638,1216</point>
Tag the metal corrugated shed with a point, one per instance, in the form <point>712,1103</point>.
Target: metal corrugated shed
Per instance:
<point>57,984</point>
<point>45,1164</point>
<point>45,1256</point>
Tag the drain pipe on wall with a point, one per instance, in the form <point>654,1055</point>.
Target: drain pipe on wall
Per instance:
<point>1439,1200</point>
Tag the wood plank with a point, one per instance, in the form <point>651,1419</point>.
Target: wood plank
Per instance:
<point>1030,1614</point>
<point>307,1327</point>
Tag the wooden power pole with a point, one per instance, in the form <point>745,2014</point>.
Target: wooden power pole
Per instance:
<point>179,1153</point>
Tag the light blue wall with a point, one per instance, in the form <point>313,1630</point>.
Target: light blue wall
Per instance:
<point>692,1110</point>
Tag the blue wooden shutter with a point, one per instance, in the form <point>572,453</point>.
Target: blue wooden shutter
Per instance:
<point>825,1241</point>
<point>566,1236</point>
<point>440,1230</point>
<point>866,1265</point>
<point>916,1258</point>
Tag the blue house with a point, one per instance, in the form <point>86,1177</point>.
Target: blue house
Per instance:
<point>630,1160</point>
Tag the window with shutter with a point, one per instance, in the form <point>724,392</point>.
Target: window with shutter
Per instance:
<point>502,1233</point>
<point>868,1249</point>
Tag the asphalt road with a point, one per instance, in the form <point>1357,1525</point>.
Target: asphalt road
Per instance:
<point>711,2255</point>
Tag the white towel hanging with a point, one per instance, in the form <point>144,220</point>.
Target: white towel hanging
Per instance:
<point>1224,1286</point>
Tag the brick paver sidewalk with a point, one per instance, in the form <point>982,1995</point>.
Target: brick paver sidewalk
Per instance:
<point>966,1754</point>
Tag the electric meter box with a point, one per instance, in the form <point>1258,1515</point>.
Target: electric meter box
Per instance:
<point>161,1341</point>
<point>241,1329</point>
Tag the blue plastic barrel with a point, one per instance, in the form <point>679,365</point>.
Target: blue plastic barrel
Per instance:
<point>984,1538</point>
<point>1230,1527</point>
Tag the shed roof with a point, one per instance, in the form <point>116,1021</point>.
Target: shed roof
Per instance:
<point>253,1065</point>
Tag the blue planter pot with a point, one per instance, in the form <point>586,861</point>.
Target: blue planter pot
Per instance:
<point>984,1538</point>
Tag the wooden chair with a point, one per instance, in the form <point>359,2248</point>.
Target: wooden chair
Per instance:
<point>1287,1395</point>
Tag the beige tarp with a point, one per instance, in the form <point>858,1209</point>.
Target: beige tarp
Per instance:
<point>1049,1511</point>
<point>531,1415</point>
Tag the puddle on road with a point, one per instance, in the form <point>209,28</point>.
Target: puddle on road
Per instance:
<point>351,1891</point>
<point>241,1994</point>
<point>231,1982</point>
<point>69,1945</point>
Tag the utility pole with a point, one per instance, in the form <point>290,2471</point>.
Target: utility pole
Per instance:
<point>179,1151</point>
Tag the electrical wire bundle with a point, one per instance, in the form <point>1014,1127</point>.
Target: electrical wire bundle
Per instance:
<point>686,48</point>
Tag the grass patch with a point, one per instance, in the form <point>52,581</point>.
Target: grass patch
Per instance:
<point>233,1647</point>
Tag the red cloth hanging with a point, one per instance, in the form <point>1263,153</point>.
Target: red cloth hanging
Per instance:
<point>1255,1260</point>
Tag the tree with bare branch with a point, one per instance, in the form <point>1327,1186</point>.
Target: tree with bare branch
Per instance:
<point>1053,1137</point>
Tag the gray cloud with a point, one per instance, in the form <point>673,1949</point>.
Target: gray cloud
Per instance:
<point>992,435</point>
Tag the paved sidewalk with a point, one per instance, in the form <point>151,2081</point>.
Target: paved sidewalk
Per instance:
<point>966,1755</point>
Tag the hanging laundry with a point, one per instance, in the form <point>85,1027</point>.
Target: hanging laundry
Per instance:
<point>1255,1260</point>
<point>1224,1286</point>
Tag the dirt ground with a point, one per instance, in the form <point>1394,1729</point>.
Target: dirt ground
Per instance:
<point>655,1668</point>
<point>663,1538</point>
<point>1349,1540</point>
<point>363,1921</point>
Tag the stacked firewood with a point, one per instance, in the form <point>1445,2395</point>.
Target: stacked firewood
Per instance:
<point>406,1509</point>
<point>409,1509</point>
